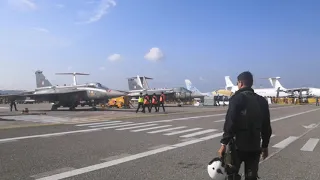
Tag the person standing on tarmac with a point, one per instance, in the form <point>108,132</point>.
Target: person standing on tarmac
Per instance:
<point>317,101</point>
<point>146,103</point>
<point>13,103</point>
<point>161,101</point>
<point>140,102</point>
<point>154,102</point>
<point>247,121</point>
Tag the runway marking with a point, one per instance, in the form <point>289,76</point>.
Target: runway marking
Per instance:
<point>116,157</point>
<point>125,159</point>
<point>221,120</point>
<point>198,133</point>
<point>46,135</point>
<point>49,173</point>
<point>310,145</point>
<point>125,125</point>
<point>112,124</point>
<point>285,142</point>
<point>136,127</point>
<point>183,131</point>
<point>165,130</point>
<point>96,129</point>
<point>303,134</point>
<point>1,142</point>
<point>158,146</point>
<point>107,122</point>
<point>293,115</point>
<point>145,129</point>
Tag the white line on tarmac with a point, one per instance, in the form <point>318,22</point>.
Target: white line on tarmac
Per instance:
<point>273,154</point>
<point>221,120</point>
<point>96,129</point>
<point>293,115</point>
<point>198,133</point>
<point>145,129</point>
<point>285,142</point>
<point>134,127</point>
<point>126,159</point>
<point>310,145</point>
<point>105,122</point>
<point>51,134</point>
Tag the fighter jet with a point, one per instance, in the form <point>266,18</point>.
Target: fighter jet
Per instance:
<point>67,96</point>
<point>139,84</point>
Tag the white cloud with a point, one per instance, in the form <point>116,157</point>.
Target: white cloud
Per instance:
<point>114,57</point>
<point>29,4</point>
<point>101,10</point>
<point>102,68</point>
<point>60,6</point>
<point>41,29</point>
<point>154,54</point>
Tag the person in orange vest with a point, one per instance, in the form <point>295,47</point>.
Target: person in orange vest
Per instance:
<point>146,103</point>
<point>161,101</point>
<point>154,102</point>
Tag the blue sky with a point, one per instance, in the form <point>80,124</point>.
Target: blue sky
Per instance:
<point>164,39</point>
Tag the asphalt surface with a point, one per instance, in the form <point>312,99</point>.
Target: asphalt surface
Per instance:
<point>175,145</point>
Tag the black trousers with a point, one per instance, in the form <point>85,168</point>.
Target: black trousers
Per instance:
<point>144,107</point>
<point>317,103</point>
<point>161,104</point>
<point>155,106</point>
<point>139,105</point>
<point>14,105</point>
<point>251,165</point>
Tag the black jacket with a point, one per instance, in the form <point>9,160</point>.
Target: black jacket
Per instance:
<point>236,104</point>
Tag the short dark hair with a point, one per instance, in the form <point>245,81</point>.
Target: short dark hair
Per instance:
<point>247,78</point>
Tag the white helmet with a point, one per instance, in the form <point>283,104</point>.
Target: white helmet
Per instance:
<point>215,169</point>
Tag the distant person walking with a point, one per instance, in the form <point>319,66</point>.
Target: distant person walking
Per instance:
<point>317,101</point>
<point>13,103</point>
<point>140,102</point>
<point>154,102</point>
<point>146,103</point>
<point>161,102</point>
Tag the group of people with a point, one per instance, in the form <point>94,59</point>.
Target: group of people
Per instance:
<point>247,131</point>
<point>149,102</point>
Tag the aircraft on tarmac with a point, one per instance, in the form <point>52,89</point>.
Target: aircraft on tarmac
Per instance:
<point>195,91</point>
<point>67,96</point>
<point>303,91</point>
<point>265,92</point>
<point>139,84</point>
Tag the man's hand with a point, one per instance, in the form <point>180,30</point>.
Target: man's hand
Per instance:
<point>264,153</point>
<point>222,150</point>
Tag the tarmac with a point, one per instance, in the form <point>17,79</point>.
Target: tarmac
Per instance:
<point>118,144</point>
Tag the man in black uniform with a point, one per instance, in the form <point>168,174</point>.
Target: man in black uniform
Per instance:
<point>247,121</point>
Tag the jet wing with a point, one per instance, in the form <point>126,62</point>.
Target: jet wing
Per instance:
<point>45,96</point>
<point>297,89</point>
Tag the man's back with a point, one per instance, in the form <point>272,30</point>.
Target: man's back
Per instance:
<point>247,117</point>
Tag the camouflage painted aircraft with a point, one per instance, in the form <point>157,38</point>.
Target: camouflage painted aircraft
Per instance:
<point>67,96</point>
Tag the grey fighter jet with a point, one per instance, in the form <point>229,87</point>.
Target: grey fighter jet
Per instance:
<point>67,96</point>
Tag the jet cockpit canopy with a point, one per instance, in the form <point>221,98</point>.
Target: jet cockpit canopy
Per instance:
<point>97,85</point>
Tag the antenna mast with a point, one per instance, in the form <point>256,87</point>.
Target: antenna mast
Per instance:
<point>74,76</point>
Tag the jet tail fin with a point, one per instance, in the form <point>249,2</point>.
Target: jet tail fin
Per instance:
<point>275,83</point>
<point>41,80</point>
<point>138,83</point>
<point>228,81</point>
<point>190,87</point>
